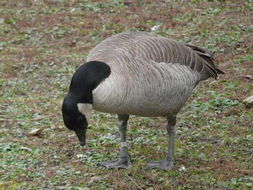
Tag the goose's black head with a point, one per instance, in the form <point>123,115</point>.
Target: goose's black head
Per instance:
<point>74,119</point>
<point>79,100</point>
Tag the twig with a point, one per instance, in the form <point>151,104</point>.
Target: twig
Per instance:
<point>134,182</point>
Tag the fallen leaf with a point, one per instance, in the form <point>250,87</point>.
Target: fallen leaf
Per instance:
<point>249,77</point>
<point>248,102</point>
<point>26,148</point>
<point>35,132</point>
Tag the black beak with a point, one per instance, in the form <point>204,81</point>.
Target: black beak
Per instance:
<point>81,136</point>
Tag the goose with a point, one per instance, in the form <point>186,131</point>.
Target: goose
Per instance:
<point>136,73</point>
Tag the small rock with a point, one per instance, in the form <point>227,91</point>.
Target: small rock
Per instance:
<point>35,132</point>
<point>248,102</point>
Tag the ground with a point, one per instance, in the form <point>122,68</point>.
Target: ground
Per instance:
<point>42,42</point>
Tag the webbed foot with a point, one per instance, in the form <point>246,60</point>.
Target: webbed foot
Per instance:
<point>163,164</point>
<point>119,163</point>
<point>124,161</point>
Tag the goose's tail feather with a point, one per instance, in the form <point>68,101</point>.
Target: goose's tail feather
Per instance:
<point>208,58</point>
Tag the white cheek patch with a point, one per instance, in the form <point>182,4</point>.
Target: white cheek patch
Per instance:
<point>85,109</point>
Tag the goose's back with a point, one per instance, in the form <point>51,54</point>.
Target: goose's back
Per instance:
<point>153,47</point>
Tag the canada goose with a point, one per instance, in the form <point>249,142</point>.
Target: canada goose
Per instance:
<point>136,73</point>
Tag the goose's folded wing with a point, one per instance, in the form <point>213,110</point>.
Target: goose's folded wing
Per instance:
<point>160,49</point>
<point>156,48</point>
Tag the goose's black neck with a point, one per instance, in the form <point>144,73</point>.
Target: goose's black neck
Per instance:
<point>86,78</point>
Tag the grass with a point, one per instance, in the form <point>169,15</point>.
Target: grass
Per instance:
<point>43,42</point>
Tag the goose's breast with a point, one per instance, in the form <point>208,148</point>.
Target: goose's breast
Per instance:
<point>159,90</point>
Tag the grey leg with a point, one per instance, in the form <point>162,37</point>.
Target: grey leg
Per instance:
<point>124,158</point>
<point>168,163</point>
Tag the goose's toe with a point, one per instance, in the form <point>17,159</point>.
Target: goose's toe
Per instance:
<point>163,164</point>
<point>124,163</point>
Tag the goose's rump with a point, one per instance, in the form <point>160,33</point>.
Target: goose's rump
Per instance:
<point>145,89</point>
